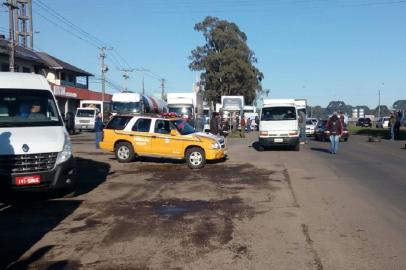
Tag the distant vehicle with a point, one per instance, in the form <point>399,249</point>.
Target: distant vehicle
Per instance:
<point>104,108</point>
<point>279,124</point>
<point>134,103</point>
<point>230,105</point>
<point>133,136</point>
<point>311,124</point>
<point>364,122</point>
<point>250,112</point>
<point>183,104</point>
<point>35,148</point>
<point>383,122</point>
<point>85,118</point>
<point>206,117</point>
<point>321,135</point>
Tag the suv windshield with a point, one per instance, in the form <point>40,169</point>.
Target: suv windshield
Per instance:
<point>126,107</point>
<point>278,113</point>
<point>85,113</point>
<point>183,127</point>
<point>24,108</point>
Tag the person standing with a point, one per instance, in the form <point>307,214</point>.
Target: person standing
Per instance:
<point>243,125</point>
<point>335,129</point>
<point>249,125</point>
<point>392,122</point>
<point>398,117</point>
<point>214,124</point>
<point>302,127</point>
<point>98,129</point>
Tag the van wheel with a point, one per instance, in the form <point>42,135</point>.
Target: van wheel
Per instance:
<point>124,152</point>
<point>195,158</point>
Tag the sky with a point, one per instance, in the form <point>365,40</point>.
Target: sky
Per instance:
<point>321,50</point>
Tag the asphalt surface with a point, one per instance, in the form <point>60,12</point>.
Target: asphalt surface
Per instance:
<point>258,210</point>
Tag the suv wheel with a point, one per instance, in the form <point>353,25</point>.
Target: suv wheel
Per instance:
<point>195,158</point>
<point>124,152</point>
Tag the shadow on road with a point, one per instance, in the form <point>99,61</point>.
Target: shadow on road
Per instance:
<point>323,150</point>
<point>26,217</point>
<point>259,148</point>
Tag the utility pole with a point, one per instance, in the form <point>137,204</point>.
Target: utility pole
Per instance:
<point>23,23</point>
<point>163,88</point>
<point>11,7</point>
<point>379,103</point>
<point>142,70</point>
<point>104,69</point>
<point>126,76</point>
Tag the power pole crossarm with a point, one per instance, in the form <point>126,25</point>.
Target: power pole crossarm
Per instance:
<point>126,76</point>
<point>104,69</point>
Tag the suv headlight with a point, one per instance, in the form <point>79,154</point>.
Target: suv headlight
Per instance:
<point>66,152</point>
<point>215,146</point>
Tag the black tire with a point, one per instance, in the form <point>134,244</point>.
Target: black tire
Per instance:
<point>195,158</point>
<point>124,152</point>
<point>296,147</point>
<point>346,139</point>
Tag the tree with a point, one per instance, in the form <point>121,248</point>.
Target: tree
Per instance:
<point>399,105</point>
<point>226,61</point>
<point>336,106</point>
<point>384,110</point>
<point>318,112</point>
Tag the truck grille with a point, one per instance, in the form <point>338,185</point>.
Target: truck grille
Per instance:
<point>27,163</point>
<point>84,121</point>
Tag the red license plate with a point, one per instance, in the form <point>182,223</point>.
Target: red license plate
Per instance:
<point>28,180</point>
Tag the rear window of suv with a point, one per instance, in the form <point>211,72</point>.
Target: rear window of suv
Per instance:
<point>118,122</point>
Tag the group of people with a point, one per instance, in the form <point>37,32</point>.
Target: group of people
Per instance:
<point>394,124</point>
<point>219,127</point>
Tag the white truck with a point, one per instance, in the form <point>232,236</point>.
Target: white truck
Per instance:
<point>35,148</point>
<point>182,104</point>
<point>231,105</point>
<point>85,118</point>
<point>278,125</point>
<point>135,103</point>
<point>250,113</point>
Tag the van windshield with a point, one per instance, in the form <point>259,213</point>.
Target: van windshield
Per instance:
<point>25,108</point>
<point>85,113</point>
<point>278,113</point>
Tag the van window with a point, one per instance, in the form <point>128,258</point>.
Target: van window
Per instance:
<point>142,125</point>
<point>24,108</point>
<point>85,113</point>
<point>278,113</point>
<point>118,122</point>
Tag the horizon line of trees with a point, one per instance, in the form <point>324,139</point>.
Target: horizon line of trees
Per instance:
<point>335,106</point>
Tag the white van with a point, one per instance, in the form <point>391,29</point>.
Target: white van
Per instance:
<point>278,124</point>
<point>35,149</point>
<point>85,118</point>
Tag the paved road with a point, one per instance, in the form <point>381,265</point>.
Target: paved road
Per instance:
<point>258,210</point>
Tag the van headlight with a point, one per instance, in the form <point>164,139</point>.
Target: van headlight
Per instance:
<point>66,152</point>
<point>215,146</point>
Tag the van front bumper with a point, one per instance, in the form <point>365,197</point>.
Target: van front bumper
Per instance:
<point>275,141</point>
<point>63,176</point>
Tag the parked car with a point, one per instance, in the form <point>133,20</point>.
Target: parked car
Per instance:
<point>311,124</point>
<point>383,122</point>
<point>321,135</point>
<point>133,136</point>
<point>364,122</point>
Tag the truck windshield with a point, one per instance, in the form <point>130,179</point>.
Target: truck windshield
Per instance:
<point>25,108</point>
<point>183,127</point>
<point>85,113</point>
<point>126,107</point>
<point>278,113</point>
<point>182,110</point>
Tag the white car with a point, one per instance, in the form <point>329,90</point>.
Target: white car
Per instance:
<point>383,122</point>
<point>311,124</point>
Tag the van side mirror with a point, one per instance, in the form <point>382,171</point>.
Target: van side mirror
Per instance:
<point>174,132</point>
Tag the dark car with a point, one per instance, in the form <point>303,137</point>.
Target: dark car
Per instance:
<point>364,122</point>
<point>321,135</point>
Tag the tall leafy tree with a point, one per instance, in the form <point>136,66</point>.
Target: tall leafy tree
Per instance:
<point>399,105</point>
<point>226,61</point>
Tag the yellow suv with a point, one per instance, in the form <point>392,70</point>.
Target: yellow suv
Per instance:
<point>133,136</point>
